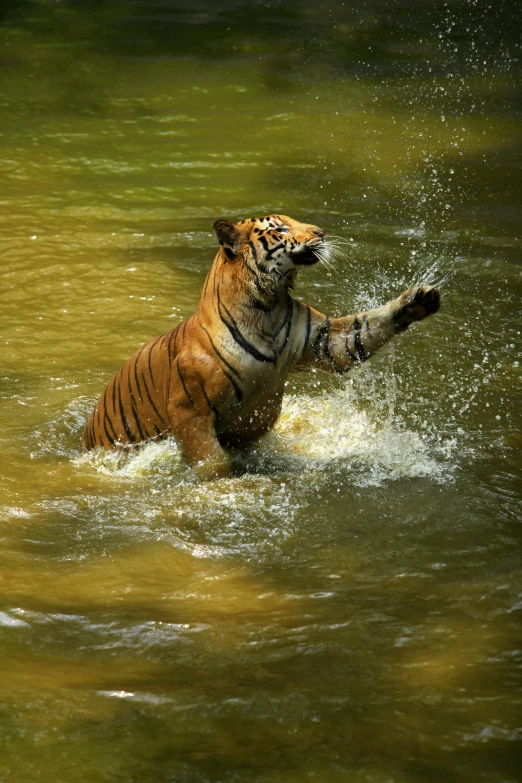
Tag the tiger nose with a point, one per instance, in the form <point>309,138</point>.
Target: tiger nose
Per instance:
<point>318,232</point>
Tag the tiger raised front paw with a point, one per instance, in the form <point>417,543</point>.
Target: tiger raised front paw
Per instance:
<point>415,305</point>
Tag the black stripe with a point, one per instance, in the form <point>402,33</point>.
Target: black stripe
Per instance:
<point>238,337</point>
<point>151,401</point>
<point>252,268</point>
<point>96,426</point>
<point>114,391</point>
<point>209,402</point>
<point>150,366</point>
<point>123,419</point>
<point>99,426</point>
<point>285,318</point>
<point>136,372</point>
<point>111,441</point>
<point>258,304</point>
<point>134,409</point>
<point>351,355</point>
<point>335,367</point>
<point>137,380</point>
<point>368,330</point>
<point>184,387</point>
<point>361,353</point>
<point>238,390</point>
<point>114,436</point>
<point>215,280</point>
<point>220,355</point>
<point>264,242</point>
<point>168,349</point>
<point>274,250</point>
<point>159,432</point>
<point>108,418</point>
<point>91,429</point>
<point>288,319</point>
<point>324,330</point>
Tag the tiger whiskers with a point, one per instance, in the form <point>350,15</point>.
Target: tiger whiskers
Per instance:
<point>338,238</point>
<point>338,247</point>
<point>323,254</point>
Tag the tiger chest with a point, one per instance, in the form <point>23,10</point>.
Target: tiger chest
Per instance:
<point>248,415</point>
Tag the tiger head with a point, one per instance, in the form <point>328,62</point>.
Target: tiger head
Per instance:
<point>271,249</point>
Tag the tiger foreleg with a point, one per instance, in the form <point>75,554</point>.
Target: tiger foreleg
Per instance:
<point>192,419</point>
<point>197,439</point>
<point>338,344</point>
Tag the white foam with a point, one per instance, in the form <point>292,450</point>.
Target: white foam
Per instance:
<point>312,433</point>
<point>332,429</point>
<point>7,621</point>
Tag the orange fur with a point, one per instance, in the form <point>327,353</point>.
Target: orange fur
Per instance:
<point>217,379</point>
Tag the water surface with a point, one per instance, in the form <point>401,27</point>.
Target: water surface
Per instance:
<point>348,606</point>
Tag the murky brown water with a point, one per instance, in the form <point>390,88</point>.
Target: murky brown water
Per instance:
<point>349,607</point>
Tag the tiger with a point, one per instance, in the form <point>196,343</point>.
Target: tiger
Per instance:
<point>216,381</point>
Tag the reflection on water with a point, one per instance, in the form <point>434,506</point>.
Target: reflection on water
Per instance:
<point>347,604</point>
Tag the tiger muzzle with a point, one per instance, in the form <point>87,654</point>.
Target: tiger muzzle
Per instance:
<point>308,256</point>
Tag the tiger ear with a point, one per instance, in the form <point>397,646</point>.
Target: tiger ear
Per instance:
<point>227,234</point>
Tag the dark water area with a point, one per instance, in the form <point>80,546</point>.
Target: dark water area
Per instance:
<point>348,607</point>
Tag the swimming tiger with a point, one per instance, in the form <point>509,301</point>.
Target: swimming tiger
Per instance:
<point>217,379</point>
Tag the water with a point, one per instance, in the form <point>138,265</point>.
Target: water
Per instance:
<point>347,607</point>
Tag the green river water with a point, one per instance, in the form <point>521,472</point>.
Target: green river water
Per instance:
<point>348,607</point>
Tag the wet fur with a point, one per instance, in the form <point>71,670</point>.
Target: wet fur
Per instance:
<point>217,379</point>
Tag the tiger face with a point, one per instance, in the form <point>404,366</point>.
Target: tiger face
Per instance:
<point>274,246</point>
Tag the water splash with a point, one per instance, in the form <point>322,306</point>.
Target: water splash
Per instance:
<point>313,434</point>
<point>333,430</point>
